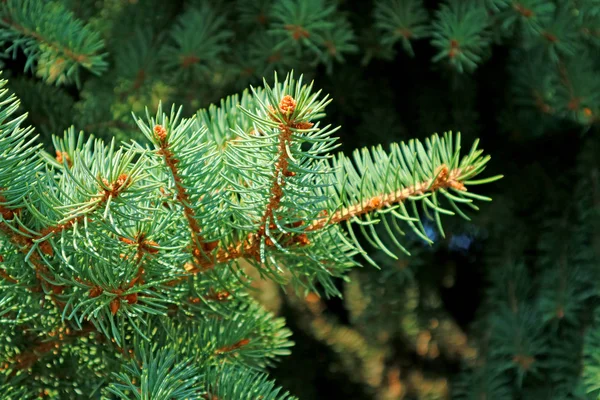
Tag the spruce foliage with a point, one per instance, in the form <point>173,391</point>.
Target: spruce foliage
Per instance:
<point>132,253</point>
<point>130,245</point>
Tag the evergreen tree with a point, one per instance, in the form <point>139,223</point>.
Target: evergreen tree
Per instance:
<point>130,246</point>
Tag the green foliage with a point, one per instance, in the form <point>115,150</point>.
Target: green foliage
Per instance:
<point>47,107</point>
<point>537,309</point>
<point>237,383</point>
<point>527,15</point>
<point>197,42</point>
<point>56,44</point>
<point>401,20</point>
<point>140,251</point>
<point>162,378</point>
<point>114,257</point>
<point>200,52</point>
<point>302,23</point>
<point>459,34</point>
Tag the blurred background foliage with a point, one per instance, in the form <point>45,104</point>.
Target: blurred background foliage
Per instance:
<point>505,306</point>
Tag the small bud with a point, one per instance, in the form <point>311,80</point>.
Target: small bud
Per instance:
<point>57,289</point>
<point>375,202</point>
<point>126,241</point>
<point>287,105</point>
<point>302,239</point>
<point>132,298</point>
<point>454,48</point>
<point>96,291</point>
<point>62,157</point>
<point>121,181</point>
<point>115,304</point>
<point>222,295</point>
<point>303,125</point>
<point>160,132</point>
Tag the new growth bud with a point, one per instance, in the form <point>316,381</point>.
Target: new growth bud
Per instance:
<point>160,132</point>
<point>287,105</point>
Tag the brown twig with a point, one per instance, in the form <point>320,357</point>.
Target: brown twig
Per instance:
<point>445,179</point>
<point>233,347</point>
<point>201,249</point>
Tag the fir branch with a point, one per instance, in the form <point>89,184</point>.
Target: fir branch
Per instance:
<point>24,243</point>
<point>404,20</point>
<point>51,36</point>
<point>54,342</point>
<point>79,58</point>
<point>264,190</point>
<point>445,179</point>
<point>287,107</point>
<point>234,382</point>
<point>201,249</point>
<point>459,32</point>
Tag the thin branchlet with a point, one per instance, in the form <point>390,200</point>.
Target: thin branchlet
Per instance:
<point>23,241</point>
<point>79,58</point>
<point>201,249</point>
<point>206,255</point>
<point>445,179</point>
<point>55,340</point>
<point>287,106</point>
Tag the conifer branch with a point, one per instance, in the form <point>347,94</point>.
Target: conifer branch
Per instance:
<point>25,242</point>
<point>275,198</point>
<point>445,179</point>
<point>287,106</point>
<point>201,248</point>
<point>110,191</point>
<point>52,38</point>
<point>79,58</point>
<point>56,340</point>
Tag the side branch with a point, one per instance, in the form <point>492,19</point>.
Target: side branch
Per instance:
<point>200,248</point>
<point>24,241</point>
<point>445,179</point>
<point>79,58</point>
<point>24,244</point>
<point>58,338</point>
<point>276,191</point>
<point>251,246</point>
